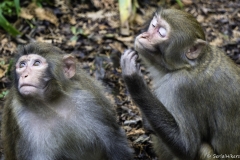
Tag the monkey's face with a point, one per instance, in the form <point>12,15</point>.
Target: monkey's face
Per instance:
<point>31,75</point>
<point>158,32</point>
<point>152,43</point>
<point>173,40</point>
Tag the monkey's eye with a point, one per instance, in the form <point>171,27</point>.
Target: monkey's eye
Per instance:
<point>37,63</point>
<point>22,64</point>
<point>162,31</point>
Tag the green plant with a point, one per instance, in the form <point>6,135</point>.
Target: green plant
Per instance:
<point>40,2</point>
<point>75,33</point>
<point>3,94</point>
<point>10,67</point>
<point>10,8</point>
<point>179,2</point>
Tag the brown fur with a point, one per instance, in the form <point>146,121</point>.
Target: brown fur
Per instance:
<point>73,120</point>
<point>193,109</point>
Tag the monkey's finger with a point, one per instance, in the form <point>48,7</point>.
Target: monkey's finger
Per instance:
<point>124,59</point>
<point>126,52</point>
<point>132,53</point>
<point>138,66</point>
<point>134,58</point>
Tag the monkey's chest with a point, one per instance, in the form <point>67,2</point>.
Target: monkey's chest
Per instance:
<point>41,130</point>
<point>56,135</point>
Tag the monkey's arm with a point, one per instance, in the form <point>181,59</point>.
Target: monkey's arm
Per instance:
<point>9,133</point>
<point>163,123</point>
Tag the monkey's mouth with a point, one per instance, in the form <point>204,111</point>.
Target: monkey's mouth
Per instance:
<point>142,44</point>
<point>27,89</point>
<point>27,85</point>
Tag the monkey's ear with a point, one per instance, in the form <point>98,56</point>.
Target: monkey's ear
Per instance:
<point>69,66</point>
<point>195,50</point>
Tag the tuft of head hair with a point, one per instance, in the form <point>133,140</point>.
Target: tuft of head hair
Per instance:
<point>185,29</point>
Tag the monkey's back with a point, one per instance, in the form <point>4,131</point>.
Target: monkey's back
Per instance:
<point>204,100</point>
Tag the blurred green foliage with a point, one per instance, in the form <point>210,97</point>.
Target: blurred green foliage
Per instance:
<point>40,2</point>
<point>3,94</point>
<point>180,3</point>
<point>9,8</point>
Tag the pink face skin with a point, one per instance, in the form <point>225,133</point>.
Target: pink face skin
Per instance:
<point>31,70</point>
<point>158,31</point>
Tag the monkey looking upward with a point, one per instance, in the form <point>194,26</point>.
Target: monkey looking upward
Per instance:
<point>54,111</point>
<point>196,88</point>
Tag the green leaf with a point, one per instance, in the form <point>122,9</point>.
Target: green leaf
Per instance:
<point>3,94</point>
<point>10,66</point>
<point>17,6</point>
<point>180,3</point>
<point>6,8</point>
<point>74,38</point>
<point>7,26</point>
<point>73,29</point>
<point>79,31</point>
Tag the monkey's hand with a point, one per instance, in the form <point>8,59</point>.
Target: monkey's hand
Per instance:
<point>161,120</point>
<point>129,63</point>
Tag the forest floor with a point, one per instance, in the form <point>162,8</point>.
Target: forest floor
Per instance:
<point>90,31</point>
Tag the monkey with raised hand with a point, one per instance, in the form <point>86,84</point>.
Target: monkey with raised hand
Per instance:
<point>194,106</point>
<point>54,111</point>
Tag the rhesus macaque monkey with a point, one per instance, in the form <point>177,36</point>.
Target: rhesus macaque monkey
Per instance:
<point>195,104</point>
<point>54,111</point>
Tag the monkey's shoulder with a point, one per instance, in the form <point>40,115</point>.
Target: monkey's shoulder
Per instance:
<point>86,82</point>
<point>80,107</point>
<point>81,94</point>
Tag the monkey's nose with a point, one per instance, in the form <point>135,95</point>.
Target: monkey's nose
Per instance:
<point>145,35</point>
<point>25,76</point>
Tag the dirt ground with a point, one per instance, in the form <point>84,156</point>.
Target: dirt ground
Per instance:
<point>90,30</point>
